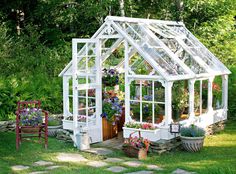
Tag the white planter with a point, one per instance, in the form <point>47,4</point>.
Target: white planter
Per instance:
<point>152,135</point>
<point>52,130</point>
<point>67,124</point>
<point>192,144</point>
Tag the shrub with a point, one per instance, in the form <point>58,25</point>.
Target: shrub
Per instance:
<point>192,131</point>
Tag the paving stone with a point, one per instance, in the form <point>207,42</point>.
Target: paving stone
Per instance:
<point>142,172</point>
<point>133,163</point>
<point>38,172</point>
<point>181,171</point>
<point>19,167</point>
<point>43,163</point>
<point>52,167</point>
<point>114,160</point>
<point>154,167</point>
<point>71,157</point>
<point>97,164</point>
<point>116,169</point>
<point>99,151</point>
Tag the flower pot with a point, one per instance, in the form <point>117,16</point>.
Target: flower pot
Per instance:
<point>192,144</point>
<point>52,130</point>
<point>109,131</point>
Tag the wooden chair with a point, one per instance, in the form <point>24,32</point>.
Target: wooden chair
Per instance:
<point>26,132</point>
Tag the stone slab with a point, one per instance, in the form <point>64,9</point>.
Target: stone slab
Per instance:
<point>113,160</point>
<point>43,163</point>
<point>71,157</point>
<point>52,167</point>
<point>116,169</point>
<point>99,151</point>
<point>141,172</point>
<point>133,163</point>
<point>19,167</point>
<point>154,167</point>
<point>38,172</point>
<point>181,171</point>
<point>97,164</point>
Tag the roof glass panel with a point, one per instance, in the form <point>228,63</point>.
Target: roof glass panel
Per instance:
<point>150,46</point>
<point>197,49</point>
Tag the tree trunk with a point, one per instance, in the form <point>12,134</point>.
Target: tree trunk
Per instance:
<point>179,7</point>
<point>122,8</point>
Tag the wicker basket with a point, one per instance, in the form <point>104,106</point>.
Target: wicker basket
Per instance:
<point>134,152</point>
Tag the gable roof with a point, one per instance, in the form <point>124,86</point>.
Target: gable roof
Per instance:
<point>168,46</point>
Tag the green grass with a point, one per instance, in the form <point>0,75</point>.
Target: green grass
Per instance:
<point>218,156</point>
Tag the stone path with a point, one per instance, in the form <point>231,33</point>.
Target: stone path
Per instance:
<point>154,167</point>
<point>43,163</point>
<point>71,157</point>
<point>142,172</point>
<point>116,169</point>
<point>97,163</point>
<point>181,171</point>
<point>114,165</point>
<point>133,163</point>
<point>99,151</point>
<point>19,167</point>
<point>114,160</point>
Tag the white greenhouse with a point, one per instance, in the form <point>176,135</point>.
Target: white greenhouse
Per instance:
<point>154,56</point>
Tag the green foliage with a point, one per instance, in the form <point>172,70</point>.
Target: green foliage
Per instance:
<point>31,62</point>
<point>192,131</point>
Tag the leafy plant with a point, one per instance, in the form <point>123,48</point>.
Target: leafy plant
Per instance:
<point>137,142</point>
<point>112,107</point>
<point>192,131</point>
<point>31,117</point>
<point>53,121</point>
<point>110,77</point>
<point>147,126</point>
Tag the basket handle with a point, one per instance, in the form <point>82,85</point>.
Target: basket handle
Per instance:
<point>139,133</point>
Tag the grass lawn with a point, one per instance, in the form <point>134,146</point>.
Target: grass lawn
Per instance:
<point>217,156</point>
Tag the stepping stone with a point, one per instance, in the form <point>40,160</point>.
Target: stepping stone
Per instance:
<point>39,172</point>
<point>114,160</point>
<point>142,172</point>
<point>97,164</point>
<point>154,167</point>
<point>52,167</point>
<point>116,169</point>
<point>43,163</point>
<point>19,167</point>
<point>133,163</point>
<point>71,157</point>
<point>181,171</point>
<point>99,151</point>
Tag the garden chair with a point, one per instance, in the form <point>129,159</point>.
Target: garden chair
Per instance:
<point>35,126</point>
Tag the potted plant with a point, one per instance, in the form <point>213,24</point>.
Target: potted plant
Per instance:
<point>136,146</point>
<point>110,77</point>
<point>31,120</point>
<point>111,113</point>
<point>53,124</point>
<point>192,138</point>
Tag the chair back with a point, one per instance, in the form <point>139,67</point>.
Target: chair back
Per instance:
<point>22,105</point>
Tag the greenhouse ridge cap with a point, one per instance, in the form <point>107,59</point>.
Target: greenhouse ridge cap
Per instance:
<point>142,20</point>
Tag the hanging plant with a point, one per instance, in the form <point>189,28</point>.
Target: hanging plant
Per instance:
<point>110,77</point>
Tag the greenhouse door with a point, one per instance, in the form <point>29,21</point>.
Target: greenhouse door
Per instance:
<point>87,96</point>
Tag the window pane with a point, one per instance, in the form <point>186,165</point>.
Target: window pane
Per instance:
<point>135,111</point>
